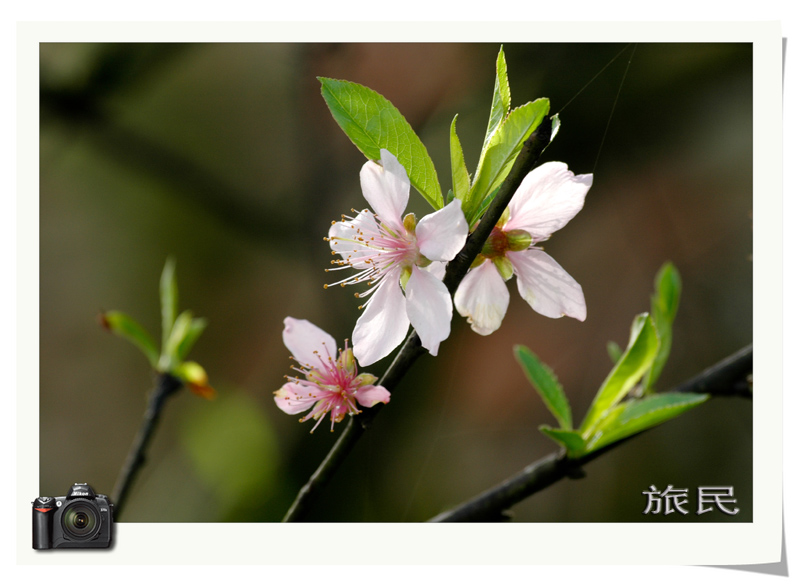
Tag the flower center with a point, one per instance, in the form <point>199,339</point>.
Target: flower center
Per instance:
<point>338,379</point>
<point>499,242</point>
<point>376,249</point>
<point>496,244</point>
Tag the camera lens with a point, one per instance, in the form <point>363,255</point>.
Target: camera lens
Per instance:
<point>80,520</point>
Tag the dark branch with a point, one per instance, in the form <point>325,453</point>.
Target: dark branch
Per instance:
<point>166,386</point>
<point>721,380</point>
<point>456,270</point>
<point>531,150</point>
<point>728,378</point>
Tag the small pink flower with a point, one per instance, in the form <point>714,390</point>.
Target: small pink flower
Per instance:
<point>330,383</point>
<point>401,259</point>
<point>549,197</point>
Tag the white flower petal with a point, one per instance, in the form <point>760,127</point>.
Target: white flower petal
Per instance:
<point>343,238</point>
<point>437,269</point>
<point>295,398</point>
<point>303,339</point>
<point>384,323</point>
<point>547,199</point>
<point>429,308</point>
<point>548,288</point>
<point>482,297</point>
<point>441,235</point>
<point>386,188</point>
<point>369,396</point>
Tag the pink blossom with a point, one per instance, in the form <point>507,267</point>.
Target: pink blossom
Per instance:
<point>330,383</point>
<point>549,197</point>
<point>400,259</point>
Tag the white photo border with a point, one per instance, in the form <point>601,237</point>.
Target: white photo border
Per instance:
<point>436,544</point>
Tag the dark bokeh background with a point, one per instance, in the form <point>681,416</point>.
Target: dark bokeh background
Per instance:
<point>225,156</point>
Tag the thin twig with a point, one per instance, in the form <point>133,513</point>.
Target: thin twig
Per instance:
<point>165,387</point>
<point>456,270</point>
<point>721,380</point>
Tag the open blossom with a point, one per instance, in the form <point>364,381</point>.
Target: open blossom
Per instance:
<point>547,199</point>
<point>402,261</point>
<point>330,381</point>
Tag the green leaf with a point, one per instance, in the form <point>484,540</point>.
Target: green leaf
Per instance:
<point>664,308</point>
<point>667,291</point>
<point>572,440</point>
<point>373,123</point>
<point>638,415</point>
<point>196,327</point>
<point>502,151</point>
<point>614,351</point>
<point>501,101</point>
<point>169,300</point>
<point>184,334</point>
<point>126,327</point>
<point>546,384</point>
<point>487,201</point>
<point>195,377</point>
<point>637,359</point>
<point>457,164</point>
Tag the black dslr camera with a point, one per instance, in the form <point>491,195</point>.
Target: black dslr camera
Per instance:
<point>80,519</point>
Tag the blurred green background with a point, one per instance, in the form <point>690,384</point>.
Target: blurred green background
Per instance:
<point>225,156</point>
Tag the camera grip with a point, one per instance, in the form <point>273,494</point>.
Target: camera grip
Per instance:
<point>42,525</point>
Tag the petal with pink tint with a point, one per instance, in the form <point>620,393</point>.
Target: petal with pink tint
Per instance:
<point>547,199</point>
<point>482,297</point>
<point>369,396</point>
<point>295,397</point>
<point>441,235</point>
<point>429,308</point>
<point>386,188</point>
<point>384,323</point>
<point>307,343</point>
<point>547,287</point>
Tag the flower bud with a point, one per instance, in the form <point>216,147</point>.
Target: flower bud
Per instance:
<point>366,379</point>
<point>504,267</point>
<point>193,373</point>
<point>314,376</point>
<point>196,379</point>
<point>405,276</point>
<point>410,222</point>
<point>348,361</point>
<point>518,240</point>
